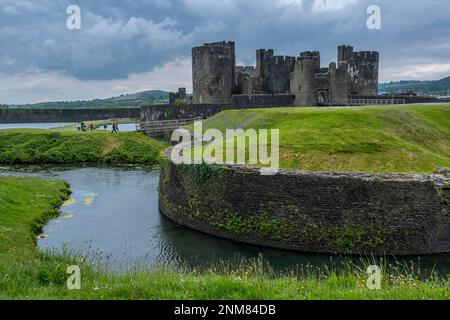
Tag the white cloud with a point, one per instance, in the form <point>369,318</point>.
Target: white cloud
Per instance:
<point>124,39</point>
<point>322,6</point>
<point>38,86</point>
<point>431,71</point>
<point>10,10</point>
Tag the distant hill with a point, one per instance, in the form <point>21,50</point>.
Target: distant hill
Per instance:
<point>437,88</point>
<point>123,101</point>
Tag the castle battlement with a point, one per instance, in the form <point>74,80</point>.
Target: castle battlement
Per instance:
<point>220,44</point>
<point>282,59</point>
<point>366,55</point>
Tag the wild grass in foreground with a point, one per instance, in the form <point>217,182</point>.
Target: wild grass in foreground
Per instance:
<point>25,273</point>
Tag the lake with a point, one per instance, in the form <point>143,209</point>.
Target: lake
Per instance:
<point>32,125</point>
<point>126,127</point>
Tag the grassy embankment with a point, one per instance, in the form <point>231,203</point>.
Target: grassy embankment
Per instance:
<point>403,139</point>
<point>29,146</point>
<point>26,273</point>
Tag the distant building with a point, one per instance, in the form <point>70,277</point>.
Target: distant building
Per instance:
<point>180,95</point>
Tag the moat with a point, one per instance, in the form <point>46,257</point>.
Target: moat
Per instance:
<point>113,219</point>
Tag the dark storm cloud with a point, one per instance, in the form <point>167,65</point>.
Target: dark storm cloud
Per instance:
<point>119,38</point>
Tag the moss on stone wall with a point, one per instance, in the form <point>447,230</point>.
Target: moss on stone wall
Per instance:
<point>201,173</point>
<point>345,238</point>
<point>259,227</point>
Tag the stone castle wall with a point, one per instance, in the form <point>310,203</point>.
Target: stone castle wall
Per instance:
<point>346,213</point>
<point>363,70</point>
<point>189,111</point>
<point>278,71</point>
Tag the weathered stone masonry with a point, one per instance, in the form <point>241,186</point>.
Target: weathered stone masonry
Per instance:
<point>216,78</point>
<point>311,212</point>
<point>188,111</point>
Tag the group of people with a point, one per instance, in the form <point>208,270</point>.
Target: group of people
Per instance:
<point>115,128</point>
<point>81,126</point>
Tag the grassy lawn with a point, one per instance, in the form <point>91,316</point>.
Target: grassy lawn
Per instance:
<point>25,273</point>
<point>403,139</point>
<point>31,146</point>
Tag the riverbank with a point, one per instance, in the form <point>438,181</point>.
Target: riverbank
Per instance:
<point>27,203</point>
<point>99,124</point>
<point>30,146</point>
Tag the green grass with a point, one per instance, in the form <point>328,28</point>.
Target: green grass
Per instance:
<point>25,273</point>
<point>28,146</point>
<point>403,139</point>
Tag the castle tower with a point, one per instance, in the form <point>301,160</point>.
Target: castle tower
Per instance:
<point>364,68</point>
<point>314,56</point>
<point>339,82</point>
<point>303,83</point>
<point>213,72</point>
<point>275,70</point>
<point>262,61</point>
<point>345,54</point>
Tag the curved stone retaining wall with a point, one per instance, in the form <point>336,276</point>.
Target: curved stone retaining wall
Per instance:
<point>66,115</point>
<point>312,212</point>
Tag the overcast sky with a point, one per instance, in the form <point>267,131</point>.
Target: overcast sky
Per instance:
<point>135,45</point>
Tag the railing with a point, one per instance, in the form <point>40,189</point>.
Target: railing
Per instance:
<point>156,127</point>
<point>359,102</point>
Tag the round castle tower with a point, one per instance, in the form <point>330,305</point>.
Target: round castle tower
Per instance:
<point>303,84</point>
<point>213,72</point>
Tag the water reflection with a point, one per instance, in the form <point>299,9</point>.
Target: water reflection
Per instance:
<point>125,127</point>
<point>4,126</point>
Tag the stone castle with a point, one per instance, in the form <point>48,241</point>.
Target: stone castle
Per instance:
<point>216,78</point>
